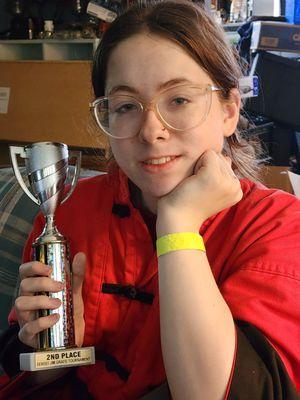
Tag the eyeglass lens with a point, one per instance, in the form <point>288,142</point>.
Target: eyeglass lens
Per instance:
<point>180,108</point>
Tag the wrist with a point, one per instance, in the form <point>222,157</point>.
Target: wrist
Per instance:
<point>172,221</point>
<point>166,228</point>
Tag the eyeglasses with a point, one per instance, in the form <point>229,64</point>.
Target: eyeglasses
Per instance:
<point>179,108</point>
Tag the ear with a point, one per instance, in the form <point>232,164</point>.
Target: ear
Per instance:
<point>231,111</point>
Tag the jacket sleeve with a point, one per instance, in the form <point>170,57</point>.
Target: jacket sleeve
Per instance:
<point>27,254</point>
<point>262,288</point>
<point>10,345</point>
<point>259,372</point>
<point>10,348</point>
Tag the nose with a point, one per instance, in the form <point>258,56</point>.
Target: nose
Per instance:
<point>152,128</point>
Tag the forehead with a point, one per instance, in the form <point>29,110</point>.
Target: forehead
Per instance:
<point>145,61</point>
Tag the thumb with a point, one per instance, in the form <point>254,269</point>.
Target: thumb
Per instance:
<point>78,270</point>
<point>78,265</point>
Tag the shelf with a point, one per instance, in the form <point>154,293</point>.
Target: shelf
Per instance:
<point>59,50</point>
<point>51,49</point>
<point>232,26</point>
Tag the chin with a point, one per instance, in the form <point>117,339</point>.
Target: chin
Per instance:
<point>159,190</point>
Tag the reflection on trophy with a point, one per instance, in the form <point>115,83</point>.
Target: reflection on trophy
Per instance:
<point>47,170</point>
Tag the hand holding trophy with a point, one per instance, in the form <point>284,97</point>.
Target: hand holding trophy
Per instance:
<point>47,170</point>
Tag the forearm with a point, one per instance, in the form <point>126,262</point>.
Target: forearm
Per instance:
<point>197,328</point>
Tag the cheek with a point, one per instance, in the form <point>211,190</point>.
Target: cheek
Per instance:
<point>208,136</point>
<point>213,128</point>
<point>119,148</point>
<point>122,152</point>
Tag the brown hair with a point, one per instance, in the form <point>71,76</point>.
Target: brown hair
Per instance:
<point>194,30</point>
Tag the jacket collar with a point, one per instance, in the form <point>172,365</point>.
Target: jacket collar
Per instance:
<point>119,181</point>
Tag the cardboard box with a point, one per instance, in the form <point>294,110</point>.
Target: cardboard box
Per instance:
<point>48,101</point>
<point>275,36</point>
<point>276,177</point>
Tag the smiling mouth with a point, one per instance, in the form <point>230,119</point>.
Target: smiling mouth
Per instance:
<point>159,161</point>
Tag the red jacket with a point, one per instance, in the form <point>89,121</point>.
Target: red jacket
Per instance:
<point>254,252</point>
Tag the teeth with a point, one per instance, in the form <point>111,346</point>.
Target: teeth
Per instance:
<point>162,160</point>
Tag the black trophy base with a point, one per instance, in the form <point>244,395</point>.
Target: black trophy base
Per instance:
<point>51,359</point>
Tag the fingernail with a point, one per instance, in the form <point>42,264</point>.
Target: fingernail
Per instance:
<point>55,301</point>
<point>60,285</point>
<point>49,269</point>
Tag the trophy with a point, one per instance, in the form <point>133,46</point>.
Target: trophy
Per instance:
<point>47,170</point>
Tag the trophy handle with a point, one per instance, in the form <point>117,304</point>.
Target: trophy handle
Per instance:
<point>77,155</point>
<point>14,151</point>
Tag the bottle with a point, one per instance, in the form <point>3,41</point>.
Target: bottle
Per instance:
<point>19,21</point>
<point>238,11</point>
<point>249,8</point>
<point>30,29</point>
<point>48,29</point>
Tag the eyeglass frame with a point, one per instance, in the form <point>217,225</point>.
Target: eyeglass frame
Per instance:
<point>150,106</point>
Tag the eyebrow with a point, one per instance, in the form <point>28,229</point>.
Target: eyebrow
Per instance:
<point>164,85</point>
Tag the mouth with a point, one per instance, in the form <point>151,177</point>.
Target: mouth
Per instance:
<point>159,161</point>
<point>153,164</point>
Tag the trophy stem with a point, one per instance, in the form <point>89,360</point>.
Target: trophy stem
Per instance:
<point>50,233</point>
<point>50,222</point>
<point>50,228</point>
<point>56,254</point>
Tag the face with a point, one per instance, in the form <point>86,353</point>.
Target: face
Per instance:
<point>157,159</point>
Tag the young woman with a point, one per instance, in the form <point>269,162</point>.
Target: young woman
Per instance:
<point>185,271</point>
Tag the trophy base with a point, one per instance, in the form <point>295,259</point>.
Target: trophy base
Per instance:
<point>51,359</point>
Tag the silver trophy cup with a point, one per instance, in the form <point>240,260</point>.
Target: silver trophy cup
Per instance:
<point>47,168</point>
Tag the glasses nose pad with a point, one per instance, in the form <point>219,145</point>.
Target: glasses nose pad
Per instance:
<point>154,108</point>
<point>149,107</point>
<point>149,128</point>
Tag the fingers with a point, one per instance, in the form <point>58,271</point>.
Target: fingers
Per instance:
<point>33,303</point>
<point>215,167</point>
<point>224,162</point>
<point>35,278</point>
<point>29,286</point>
<point>207,160</point>
<point>237,192</point>
<point>227,165</point>
<point>227,159</point>
<point>26,306</point>
<point>34,268</point>
<point>29,330</point>
<point>215,162</point>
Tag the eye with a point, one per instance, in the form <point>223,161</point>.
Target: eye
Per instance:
<point>179,101</point>
<point>124,108</point>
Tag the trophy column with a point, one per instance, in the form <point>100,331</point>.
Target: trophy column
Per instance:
<point>47,169</point>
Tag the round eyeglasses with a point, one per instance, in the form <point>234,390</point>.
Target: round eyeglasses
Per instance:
<point>179,108</point>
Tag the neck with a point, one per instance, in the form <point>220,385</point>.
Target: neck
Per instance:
<point>150,203</point>
<point>142,201</point>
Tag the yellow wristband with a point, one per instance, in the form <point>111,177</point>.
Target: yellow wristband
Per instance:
<point>179,241</point>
